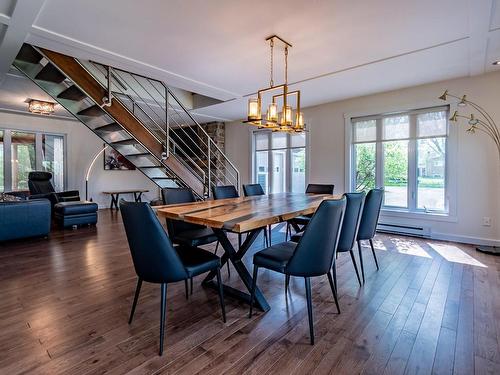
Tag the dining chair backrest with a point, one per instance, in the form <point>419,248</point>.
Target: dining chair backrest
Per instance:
<point>253,189</point>
<point>316,249</point>
<point>176,196</point>
<point>352,218</point>
<point>371,212</point>
<point>154,257</point>
<point>227,191</point>
<point>319,189</point>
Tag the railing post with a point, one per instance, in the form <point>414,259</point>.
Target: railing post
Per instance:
<point>167,124</point>
<point>209,161</point>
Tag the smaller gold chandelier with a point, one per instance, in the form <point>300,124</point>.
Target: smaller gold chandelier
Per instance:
<point>286,120</point>
<point>40,107</point>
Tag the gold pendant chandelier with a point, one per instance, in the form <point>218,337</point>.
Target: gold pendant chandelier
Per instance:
<point>287,120</point>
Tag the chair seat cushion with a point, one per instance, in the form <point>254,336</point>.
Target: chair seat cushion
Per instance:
<point>75,208</point>
<point>275,257</point>
<point>196,260</point>
<point>196,237</point>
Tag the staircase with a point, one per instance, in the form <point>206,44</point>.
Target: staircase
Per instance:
<point>139,117</point>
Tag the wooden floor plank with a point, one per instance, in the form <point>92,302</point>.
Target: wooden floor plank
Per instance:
<point>66,299</point>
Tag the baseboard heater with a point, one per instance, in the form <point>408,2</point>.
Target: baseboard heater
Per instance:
<point>410,230</point>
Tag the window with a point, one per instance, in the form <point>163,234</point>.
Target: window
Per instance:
<point>404,153</point>
<point>279,162</point>
<point>23,158</point>
<point>30,151</point>
<point>1,162</point>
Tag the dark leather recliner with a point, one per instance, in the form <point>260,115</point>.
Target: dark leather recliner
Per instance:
<point>40,187</point>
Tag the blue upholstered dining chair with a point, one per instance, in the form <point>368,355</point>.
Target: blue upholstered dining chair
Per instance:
<point>251,190</point>
<point>225,192</point>
<point>348,234</point>
<point>369,221</point>
<point>304,219</point>
<point>183,233</point>
<point>157,261</point>
<point>312,256</point>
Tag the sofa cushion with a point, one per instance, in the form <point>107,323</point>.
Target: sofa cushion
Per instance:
<point>75,208</point>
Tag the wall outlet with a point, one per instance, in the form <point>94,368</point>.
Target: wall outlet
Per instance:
<point>486,221</point>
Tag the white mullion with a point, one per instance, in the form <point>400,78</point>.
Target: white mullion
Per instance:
<point>412,164</point>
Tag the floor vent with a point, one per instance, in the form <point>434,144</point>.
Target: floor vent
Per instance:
<point>419,231</point>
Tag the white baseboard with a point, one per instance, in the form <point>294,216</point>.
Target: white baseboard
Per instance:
<point>465,239</point>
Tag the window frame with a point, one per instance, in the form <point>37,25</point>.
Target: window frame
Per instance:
<point>7,144</point>
<point>412,210</point>
<point>288,166</point>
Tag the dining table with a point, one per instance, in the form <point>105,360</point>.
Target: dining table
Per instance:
<point>249,215</point>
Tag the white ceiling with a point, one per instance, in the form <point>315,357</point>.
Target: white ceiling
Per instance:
<point>341,49</point>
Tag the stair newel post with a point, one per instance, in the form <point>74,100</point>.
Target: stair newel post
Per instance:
<point>106,101</point>
<point>209,161</point>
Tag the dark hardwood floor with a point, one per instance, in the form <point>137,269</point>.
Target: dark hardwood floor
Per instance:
<point>433,307</point>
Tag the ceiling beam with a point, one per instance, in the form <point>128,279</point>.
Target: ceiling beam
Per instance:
<point>479,26</point>
<point>19,25</point>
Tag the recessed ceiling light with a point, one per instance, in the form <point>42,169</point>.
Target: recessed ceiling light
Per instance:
<point>496,62</point>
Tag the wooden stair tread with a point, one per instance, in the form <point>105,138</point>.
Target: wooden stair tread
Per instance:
<point>50,73</point>
<point>72,93</point>
<point>28,54</point>
<point>109,128</point>
<point>92,111</point>
<point>130,141</point>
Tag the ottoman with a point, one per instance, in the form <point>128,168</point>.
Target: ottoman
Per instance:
<point>69,214</point>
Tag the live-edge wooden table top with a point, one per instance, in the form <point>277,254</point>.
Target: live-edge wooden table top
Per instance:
<point>245,213</point>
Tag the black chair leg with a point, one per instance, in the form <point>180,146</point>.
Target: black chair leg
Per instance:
<point>191,285</point>
<point>162,316</point>
<point>309,308</point>
<point>270,235</point>
<point>239,241</point>
<point>136,298</point>
<point>228,269</point>
<point>221,296</point>
<point>186,288</point>
<point>266,238</point>
<point>373,252</point>
<point>286,231</point>
<point>355,266</point>
<point>333,286</point>
<point>216,248</point>
<point>252,292</point>
<point>361,261</point>
<point>287,283</point>
<point>334,273</point>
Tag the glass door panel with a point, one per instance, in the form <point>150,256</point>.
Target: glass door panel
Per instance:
<point>53,159</point>
<point>298,170</point>
<point>23,159</point>
<point>396,173</point>
<point>279,171</point>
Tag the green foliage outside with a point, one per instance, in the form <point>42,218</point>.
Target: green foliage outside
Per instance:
<point>395,166</point>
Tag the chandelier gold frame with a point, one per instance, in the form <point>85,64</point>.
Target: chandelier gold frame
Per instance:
<point>281,122</point>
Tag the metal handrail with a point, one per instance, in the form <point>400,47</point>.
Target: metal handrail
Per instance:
<point>222,165</point>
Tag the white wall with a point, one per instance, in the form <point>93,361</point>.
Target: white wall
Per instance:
<point>477,166</point>
<point>81,147</point>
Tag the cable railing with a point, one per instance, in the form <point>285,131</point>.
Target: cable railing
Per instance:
<point>169,121</point>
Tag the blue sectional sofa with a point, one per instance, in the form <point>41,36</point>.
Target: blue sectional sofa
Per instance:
<point>25,218</point>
